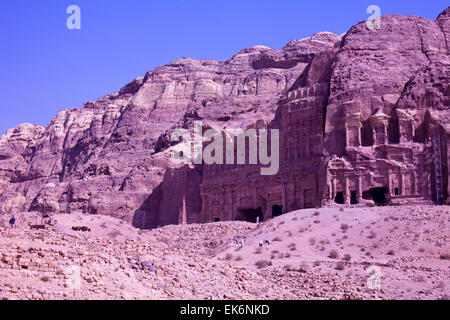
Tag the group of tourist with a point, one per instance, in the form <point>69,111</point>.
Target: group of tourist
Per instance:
<point>236,241</point>
<point>261,242</point>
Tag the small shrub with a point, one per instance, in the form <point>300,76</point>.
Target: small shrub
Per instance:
<point>45,279</point>
<point>229,256</point>
<point>316,213</point>
<point>372,235</point>
<point>238,258</point>
<point>316,263</point>
<point>341,209</point>
<point>420,279</point>
<point>115,233</point>
<point>347,257</point>
<point>276,239</point>
<point>316,221</point>
<point>340,265</point>
<point>258,250</point>
<point>263,264</point>
<point>333,254</point>
<point>391,252</point>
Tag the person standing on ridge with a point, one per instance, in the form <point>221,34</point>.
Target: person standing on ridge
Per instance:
<point>12,222</point>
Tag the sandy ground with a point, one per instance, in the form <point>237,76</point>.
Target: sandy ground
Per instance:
<point>327,253</point>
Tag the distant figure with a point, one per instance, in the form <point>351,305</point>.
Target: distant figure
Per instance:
<point>261,243</point>
<point>242,242</point>
<point>267,242</point>
<point>257,219</point>
<point>12,222</point>
<point>45,218</point>
<point>235,240</point>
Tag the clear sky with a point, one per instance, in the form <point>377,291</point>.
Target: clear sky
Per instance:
<point>46,68</point>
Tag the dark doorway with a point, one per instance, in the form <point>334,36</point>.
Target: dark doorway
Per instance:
<point>216,219</point>
<point>353,197</point>
<point>339,199</point>
<point>277,211</point>
<point>379,195</point>
<point>250,215</point>
<point>396,191</point>
<point>366,195</point>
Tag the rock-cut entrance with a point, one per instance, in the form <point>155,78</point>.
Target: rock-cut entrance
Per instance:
<point>250,215</point>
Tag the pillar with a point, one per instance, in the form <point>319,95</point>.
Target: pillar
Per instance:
<point>346,137</point>
<point>414,177</point>
<point>347,191</point>
<point>391,190</point>
<point>230,203</point>
<point>268,213</point>
<point>359,195</point>
<point>333,194</point>
<point>359,136</point>
<point>402,184</point>
<point>302,198</point>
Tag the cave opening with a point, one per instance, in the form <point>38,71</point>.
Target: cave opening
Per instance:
<point>366,195</point>
<point>277,211</point>
<point>251,215</point>
<point>353,197</point>
<point>339,199</point>
<point>379,195</point>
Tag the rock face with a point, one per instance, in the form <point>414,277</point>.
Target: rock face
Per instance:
<point>363,118</point>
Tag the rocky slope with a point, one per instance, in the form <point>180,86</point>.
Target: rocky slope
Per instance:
<point>313,254</point>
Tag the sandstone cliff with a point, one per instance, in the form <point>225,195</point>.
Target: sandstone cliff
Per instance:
<point>108,157</point>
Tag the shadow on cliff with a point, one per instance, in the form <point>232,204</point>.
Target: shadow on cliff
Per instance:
<point>176,200</point>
